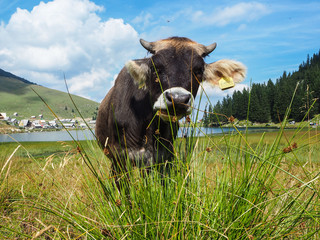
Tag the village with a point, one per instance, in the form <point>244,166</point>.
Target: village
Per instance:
<point>39,123</point>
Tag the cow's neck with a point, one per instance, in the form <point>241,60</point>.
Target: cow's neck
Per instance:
<point>163,135</point>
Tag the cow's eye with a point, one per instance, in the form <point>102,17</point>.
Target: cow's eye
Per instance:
<point>198,72</point>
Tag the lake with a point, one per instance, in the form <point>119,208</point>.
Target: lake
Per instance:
<point>47,136</point>
<point>87,135</point>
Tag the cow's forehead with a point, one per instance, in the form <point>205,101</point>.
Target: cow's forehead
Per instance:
<point>179,44</point>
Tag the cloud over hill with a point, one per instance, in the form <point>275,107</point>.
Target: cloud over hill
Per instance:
<point>67,36</point>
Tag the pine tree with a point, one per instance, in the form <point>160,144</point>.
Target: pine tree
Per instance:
<point>205,119</point>
<point>271,101</point>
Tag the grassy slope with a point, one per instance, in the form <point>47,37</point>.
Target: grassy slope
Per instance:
<point>17,96</point>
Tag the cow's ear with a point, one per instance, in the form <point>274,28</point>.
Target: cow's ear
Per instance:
<point>224,70</point>
<point>139,71</point>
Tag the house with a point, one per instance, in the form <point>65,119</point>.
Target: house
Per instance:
<point>65,120</point>
<point>36,124</point>
<point>3,116</point>
<point>53,123</point>
<point>69,125</point>
<point>24,123</point>
<point>14,121</point>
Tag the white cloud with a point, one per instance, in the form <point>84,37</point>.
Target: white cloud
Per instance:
<point>92,80</point>
<point>47,78</point>
<point>238,13</point>
<point>143,19</point>
<point>242,27</point>
<point>67,36</point>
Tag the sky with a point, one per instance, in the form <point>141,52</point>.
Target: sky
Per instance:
<point>89,41</point>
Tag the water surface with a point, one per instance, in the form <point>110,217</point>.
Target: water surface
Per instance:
<point>87,135</point>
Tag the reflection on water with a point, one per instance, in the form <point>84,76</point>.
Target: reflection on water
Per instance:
<point>48,136</point>
<point>202,131</point>
<point>87,135</point>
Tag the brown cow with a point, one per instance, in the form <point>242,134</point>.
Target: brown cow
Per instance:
<point>135,119</point>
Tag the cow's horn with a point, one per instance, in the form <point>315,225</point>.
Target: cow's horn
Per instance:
<point>209,49</point>
<point>147,45</point>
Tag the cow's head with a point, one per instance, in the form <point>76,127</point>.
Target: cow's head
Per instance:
<point>173,73</point>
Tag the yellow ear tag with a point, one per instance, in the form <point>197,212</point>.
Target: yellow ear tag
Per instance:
<point>226,82</point>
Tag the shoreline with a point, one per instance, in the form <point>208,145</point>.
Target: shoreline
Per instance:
<point>11,130</point>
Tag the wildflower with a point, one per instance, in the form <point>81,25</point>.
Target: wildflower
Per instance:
<point>208,149</point>
<point>78,149</point>
<point>231,119</point>
<point>106,232</point>
<point>118,202</point>
<point>287,149</point>
<point>157,132</point>
<point>290,148</point>
<point>105,151</point>
<point>174,119</point>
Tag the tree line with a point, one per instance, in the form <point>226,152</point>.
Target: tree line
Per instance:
<point>268,102</point>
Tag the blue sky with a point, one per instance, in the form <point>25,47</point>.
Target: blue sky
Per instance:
<point>90,41</point>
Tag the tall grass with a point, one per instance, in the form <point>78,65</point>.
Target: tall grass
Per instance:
<point>222,187</point>
<point>228,190</point>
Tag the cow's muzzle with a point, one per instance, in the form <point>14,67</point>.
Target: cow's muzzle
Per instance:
<point>174,101</point>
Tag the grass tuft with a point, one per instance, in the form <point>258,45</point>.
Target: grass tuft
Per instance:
<point>231,186</point>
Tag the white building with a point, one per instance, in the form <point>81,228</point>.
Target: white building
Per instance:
<point>68,125</point>
<point>3,116</point>
<point>24,123</point>
<point>53,123</point>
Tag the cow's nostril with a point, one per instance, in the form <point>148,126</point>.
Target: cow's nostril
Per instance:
<point>169,97</point>
<point>177,98</point>
<point>187,99</point>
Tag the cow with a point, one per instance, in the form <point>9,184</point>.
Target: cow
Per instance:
<point>137,120</point>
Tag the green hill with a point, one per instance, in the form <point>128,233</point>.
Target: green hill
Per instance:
<point>16,95</point>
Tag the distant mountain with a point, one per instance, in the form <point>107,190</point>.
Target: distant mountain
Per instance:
<point>10,75</point>
<point>17,96</point>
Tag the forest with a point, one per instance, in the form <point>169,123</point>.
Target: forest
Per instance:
<point>268,102</point>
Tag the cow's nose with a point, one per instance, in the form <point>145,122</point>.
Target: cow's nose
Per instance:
<point>178,98</point>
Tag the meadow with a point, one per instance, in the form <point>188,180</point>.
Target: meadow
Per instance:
<point>230,186</point>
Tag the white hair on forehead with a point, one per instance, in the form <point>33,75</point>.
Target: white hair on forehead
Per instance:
<point>166,43</point>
